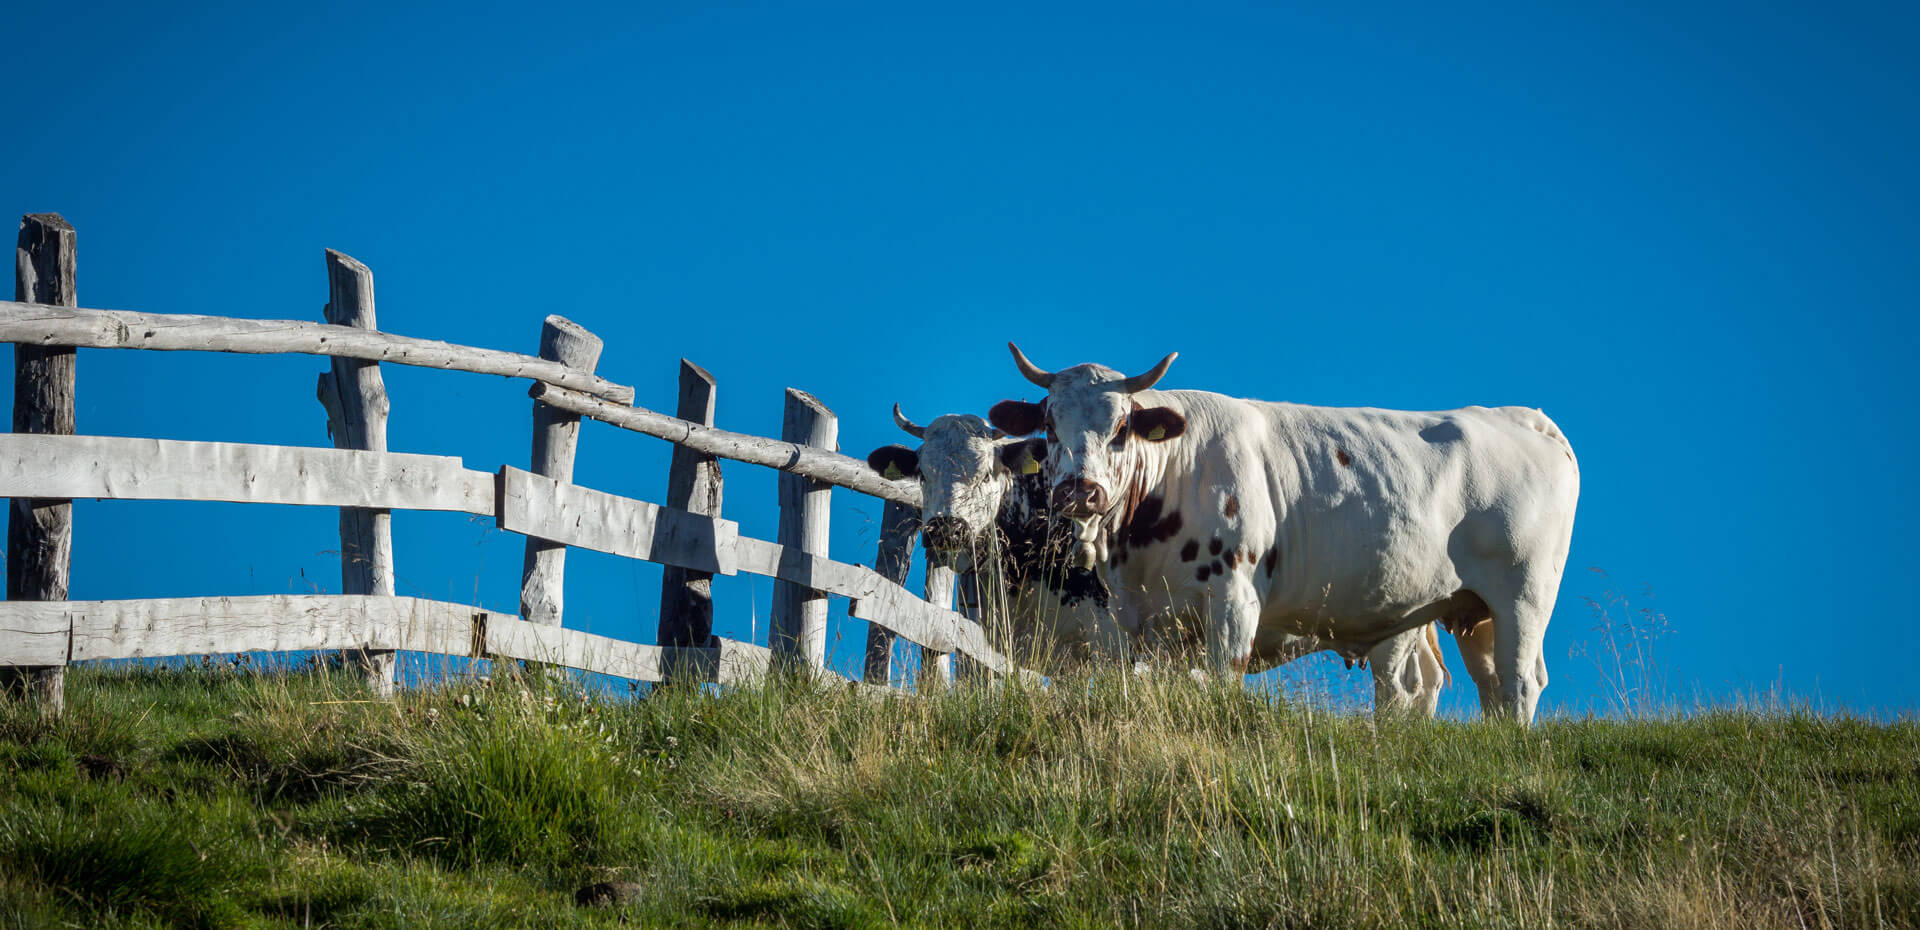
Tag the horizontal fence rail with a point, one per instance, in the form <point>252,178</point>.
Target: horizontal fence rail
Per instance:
<point>44,325</point>
<point>819,464</point>
<point>52,633</point>
<point>119,468</point>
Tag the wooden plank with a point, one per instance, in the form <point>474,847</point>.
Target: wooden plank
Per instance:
<point>121,468</point>
<point>799,616</point>
<point>185,626</point>
<point>355,397</point>
<point>553,645</point>
<point>32,322</point>
<point>822,465</point>
<point>40,531</point>
<point>33,634</point>
<point>556,437</point>
<point>579,516</point>
<point>936,663</point>
<point>694,484</point>
<point>892,560</point>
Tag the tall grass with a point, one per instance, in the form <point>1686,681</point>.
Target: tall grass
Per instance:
<point>249,798</point>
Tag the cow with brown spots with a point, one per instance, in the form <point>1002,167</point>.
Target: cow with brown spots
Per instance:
<point>1368,524</point>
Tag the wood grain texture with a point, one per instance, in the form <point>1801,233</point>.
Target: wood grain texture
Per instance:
<point>355,397</point>
<point>33,634</point>
<point>556,438</point>
<point>33,323</point>
<point>577,516</point>
<point>45,379</point>
<point>694,485</point>
<point>819,464</point>
<point>936,663</point>
<point>798,621</point>
<point>892,560</point>
<point>186,626</point>
<point>120,468</point>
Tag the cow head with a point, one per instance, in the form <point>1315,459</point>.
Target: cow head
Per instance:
<point>965,468</point>
<point>1097,434</point>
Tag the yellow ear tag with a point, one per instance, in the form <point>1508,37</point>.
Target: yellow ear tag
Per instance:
<point>1030,467</point>
<point>893,472</point>
<point>1159,433</point>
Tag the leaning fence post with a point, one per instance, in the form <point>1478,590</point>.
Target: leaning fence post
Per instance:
<point>556,437</point>
<point>40,532</point>
<point>799,620</point>
<point>355,396</point>
<point>899,524</point>
<point>936,668</point>
<point>694,485</point>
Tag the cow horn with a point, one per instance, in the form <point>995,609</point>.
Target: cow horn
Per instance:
<point>913,429</point>
<point>1142,382</point>
<point>1034,373</point>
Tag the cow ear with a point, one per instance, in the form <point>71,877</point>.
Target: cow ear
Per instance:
<point>1017,417</point>
<point>1024,457</point>
<point>1157,424</point>
<point>894,462</point>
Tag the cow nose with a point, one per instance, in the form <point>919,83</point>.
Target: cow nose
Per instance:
<point>1079,496</point>
<point>944,532</point>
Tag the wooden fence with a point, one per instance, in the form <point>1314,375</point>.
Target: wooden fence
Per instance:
<point>44,466</point>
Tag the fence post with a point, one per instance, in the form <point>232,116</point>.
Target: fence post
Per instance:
<point>40,532</point>
<point>556,437</point>
<point>693,484</point>
<point>355,396</point>
<point>899,524</point>
<point>799,627</point>
<point>936,668</point>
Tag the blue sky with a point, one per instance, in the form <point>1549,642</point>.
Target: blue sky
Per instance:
<point>1686,231</point>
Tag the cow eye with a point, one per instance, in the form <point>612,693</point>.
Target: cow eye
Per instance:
<point>1119,436</point>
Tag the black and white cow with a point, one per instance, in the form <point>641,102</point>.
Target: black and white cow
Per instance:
<point>984,507</point>
<point>984,493</point>
<point>1263,521</point>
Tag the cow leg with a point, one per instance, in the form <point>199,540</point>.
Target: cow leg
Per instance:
<point>1476,653</point>
<point>1519,631</point>
<point>1234,618</point>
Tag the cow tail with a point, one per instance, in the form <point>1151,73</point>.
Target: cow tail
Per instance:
<point>1433,645</point>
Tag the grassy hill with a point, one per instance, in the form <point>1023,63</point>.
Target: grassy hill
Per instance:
<point>226,797</point>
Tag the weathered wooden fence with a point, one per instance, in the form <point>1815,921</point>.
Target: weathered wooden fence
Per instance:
<point>44,466</point>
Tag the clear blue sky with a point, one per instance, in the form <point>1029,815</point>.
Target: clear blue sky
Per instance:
<point>1690,233</point>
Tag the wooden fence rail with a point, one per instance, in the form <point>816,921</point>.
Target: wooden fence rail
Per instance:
<point>43,467</point>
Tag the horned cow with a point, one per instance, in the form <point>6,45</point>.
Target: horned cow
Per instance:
<point>985,506</point>
<point>1264,522</point>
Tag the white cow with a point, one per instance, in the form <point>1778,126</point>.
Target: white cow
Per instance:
<point>1266,521</point>
<point>983,492</point>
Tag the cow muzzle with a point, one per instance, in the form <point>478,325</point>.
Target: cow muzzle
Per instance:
<point>1078,497</point>
<point>945,533</point>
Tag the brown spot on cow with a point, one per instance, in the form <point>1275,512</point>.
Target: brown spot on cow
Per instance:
<point>1190,551</point>
<point>1148,526</point>
<point>1213,548</point>
<point>1200,574</point>
<point>1216,568</point>
<point>1240,662</point>
<point>1342,455</point>
<point>1232,558</point>
<point>1232,507</point>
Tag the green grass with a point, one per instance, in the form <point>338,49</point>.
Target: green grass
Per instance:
<point>229,798</point>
